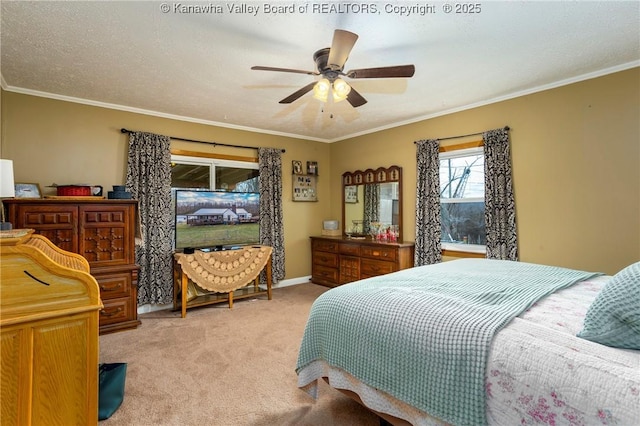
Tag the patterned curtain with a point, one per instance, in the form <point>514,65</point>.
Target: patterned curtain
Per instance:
<point>271,229</point>
<point>500,212</point>
<point>149,181</point>
<point>371,206</point>
<point>428,229</point>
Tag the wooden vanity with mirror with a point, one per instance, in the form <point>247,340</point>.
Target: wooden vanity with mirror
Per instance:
<point>372,242</point>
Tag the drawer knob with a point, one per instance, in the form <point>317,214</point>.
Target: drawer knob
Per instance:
<point>110,288</point>
<point>112,313</point>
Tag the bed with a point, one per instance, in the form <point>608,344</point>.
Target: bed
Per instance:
<point>478,341</point>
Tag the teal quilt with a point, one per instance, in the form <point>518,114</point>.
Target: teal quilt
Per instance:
<point>423,334</point>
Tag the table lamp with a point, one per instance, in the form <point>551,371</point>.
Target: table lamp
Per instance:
<point>7,190</point>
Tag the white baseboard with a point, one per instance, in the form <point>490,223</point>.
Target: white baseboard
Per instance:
<point>145,309</point>
<point>293,281</point>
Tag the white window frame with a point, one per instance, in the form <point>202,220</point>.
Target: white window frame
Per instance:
<point>465,248</point>
<point>213,163</point>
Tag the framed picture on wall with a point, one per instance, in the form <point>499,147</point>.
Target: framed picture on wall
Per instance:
<point>28,190</point>
<point>304,188</point>
<point>351,194</point>
<point>297,167</point>
<point>312,167</point>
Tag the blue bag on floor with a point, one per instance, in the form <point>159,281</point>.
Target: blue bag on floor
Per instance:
<point>111,388</point>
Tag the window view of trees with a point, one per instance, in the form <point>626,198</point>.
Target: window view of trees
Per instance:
<point>237,179</point>
<point>463,223</point>
<point>462,197</point>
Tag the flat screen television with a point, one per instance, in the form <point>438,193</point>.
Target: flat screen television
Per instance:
<point>216,219</point>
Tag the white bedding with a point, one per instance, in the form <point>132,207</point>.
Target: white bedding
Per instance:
<point>538,371</point>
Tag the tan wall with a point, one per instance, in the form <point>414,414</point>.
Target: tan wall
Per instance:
<point>576,165</point>
<point>576,161</point>
<point>1,126</point>
<point>66,143</point>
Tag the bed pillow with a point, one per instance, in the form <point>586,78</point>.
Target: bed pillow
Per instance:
<point>613,319</point>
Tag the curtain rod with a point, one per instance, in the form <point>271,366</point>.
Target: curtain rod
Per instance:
<point>123,130</point>
<point>463,136</point>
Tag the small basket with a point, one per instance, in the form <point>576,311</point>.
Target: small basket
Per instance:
<point>73,190</point>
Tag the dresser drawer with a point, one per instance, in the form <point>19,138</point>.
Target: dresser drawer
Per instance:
<point>103,232</point>
<point>105,235</point>
<point>57,223</point>
<point>337,261</point>
<point>114,285</point>
<point>325,259</point>
<point>350,249</point>
<point>373,268</point>
<point>381,252</point>
<point>324,274</point>
<point>116,311</point>
<point>349,269</point>
<point>321,245</point>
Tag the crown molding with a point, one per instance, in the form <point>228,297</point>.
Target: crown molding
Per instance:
<point>560,83</point>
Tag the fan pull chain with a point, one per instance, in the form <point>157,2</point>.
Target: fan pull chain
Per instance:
<point>330,114</point>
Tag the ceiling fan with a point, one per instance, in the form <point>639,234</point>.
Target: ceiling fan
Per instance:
<point>330,64</point>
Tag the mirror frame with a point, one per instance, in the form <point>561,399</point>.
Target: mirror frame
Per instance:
<point>379,175</point>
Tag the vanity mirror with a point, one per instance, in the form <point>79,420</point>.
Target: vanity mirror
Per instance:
<point>372,202</point>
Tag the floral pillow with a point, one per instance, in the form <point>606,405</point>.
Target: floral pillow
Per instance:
<point>613,319</point>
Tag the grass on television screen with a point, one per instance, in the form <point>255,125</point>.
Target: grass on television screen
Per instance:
<point>213,235</point>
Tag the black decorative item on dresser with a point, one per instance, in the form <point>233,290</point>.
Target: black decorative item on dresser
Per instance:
<point>103,232</point>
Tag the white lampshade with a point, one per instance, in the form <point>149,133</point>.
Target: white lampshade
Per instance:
<point>321,89</point>
<point>340,90</point>
<point>7,186</point>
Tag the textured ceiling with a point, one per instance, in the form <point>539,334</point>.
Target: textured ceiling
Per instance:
<point>193,64</point>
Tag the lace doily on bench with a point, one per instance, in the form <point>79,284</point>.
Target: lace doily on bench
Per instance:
<point>227,270</point>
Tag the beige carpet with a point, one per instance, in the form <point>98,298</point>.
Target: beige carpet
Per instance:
<point>224,367</point>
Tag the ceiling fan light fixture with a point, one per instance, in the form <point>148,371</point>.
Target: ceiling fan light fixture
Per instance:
<point>321,90</point>
<point>330,62</point>
<point>340,90</point>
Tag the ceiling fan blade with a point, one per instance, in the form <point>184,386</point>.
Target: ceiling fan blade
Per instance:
<point>383,72</point>
<point>355,98</point>
<point>292,97</point>
<point>341,46</point>
<point>260,68</point>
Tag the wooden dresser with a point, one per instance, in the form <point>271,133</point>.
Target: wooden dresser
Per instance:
<point>338,260</point>
<point>49,306</point>
<point>103,232</point>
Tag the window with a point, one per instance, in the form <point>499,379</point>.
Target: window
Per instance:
<point>216,174</point>
<point>216,180</point>
<point>462,199</point>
